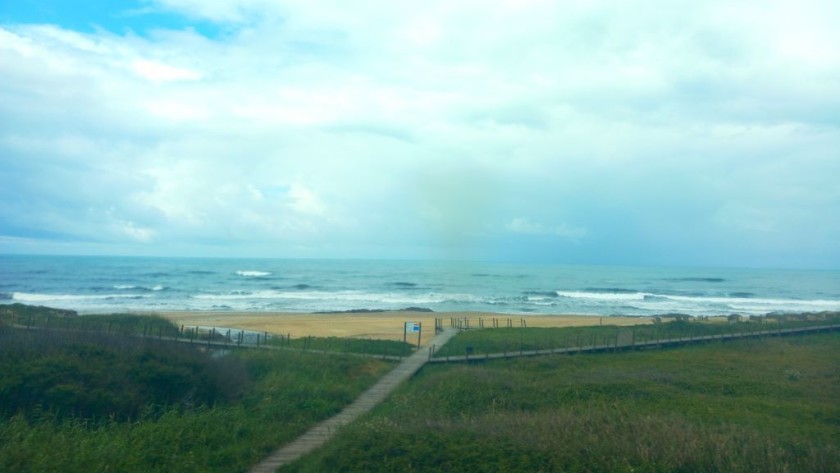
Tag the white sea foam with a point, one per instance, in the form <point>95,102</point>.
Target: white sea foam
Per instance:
<point>662,303</point>
<point>345,296</point>
<point>253,274</point>
<point>128,287</point>
<point>605,296</point>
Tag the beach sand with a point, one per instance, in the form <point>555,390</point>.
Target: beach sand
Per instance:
<point>379,325</point>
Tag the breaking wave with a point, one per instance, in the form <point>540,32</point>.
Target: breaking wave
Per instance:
<point>253,274</point>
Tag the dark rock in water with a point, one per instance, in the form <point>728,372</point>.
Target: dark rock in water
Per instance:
<point>542,293</point>
<point>351,311</point>
<point>374,311</point>
<point>696,279</point>
<point>611,290</point>
<point>403,284</point>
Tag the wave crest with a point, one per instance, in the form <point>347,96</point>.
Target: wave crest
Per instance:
<point>252,273</point>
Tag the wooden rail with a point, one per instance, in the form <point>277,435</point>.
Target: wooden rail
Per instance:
<point>321,433</point>
<point>669,342</point>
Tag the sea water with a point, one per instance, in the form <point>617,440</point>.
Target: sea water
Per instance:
<point>108,284</point>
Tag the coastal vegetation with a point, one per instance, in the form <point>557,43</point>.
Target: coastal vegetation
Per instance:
<point>108,400</point>
<point>765,404</point>
<point>365,346</point>
<point>119,393</point>
<point>153,326</point>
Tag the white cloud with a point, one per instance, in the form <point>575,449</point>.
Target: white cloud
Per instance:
<point>314,123</point>
<point>159,72</point>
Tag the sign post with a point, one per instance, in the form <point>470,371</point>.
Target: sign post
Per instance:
<point>412,327</point>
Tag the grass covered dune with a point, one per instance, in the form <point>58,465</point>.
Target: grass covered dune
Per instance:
<point>767,405</point>
<point>91,394</point>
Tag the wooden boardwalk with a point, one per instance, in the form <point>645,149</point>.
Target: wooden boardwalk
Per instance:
<point>667,342</point>
<point>321,433</point>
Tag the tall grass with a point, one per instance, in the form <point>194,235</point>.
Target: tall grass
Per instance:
<point>765,405</point>
<point>74,400</point>
<point>373,347</point>
<point>46,318</point>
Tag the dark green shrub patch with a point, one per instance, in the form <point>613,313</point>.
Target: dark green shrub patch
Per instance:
<point>95,376</point>
<point>77,400</point>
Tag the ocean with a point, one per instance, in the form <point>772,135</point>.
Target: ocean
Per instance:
<point>113,284</point>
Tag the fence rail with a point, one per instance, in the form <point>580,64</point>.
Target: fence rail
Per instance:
<point>217,338</point>
<point>632,345</point>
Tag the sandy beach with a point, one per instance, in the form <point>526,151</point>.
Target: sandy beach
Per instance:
<point>378,325</point>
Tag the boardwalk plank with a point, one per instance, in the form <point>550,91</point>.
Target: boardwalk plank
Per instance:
<point>321,433</point>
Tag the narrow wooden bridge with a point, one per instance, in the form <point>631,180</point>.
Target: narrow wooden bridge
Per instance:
<point>321,433</point>
<point>631,345</point>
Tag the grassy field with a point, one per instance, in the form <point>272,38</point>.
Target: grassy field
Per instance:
<point>346,345</point>
<point>764,405</point>
<point>74,400</point>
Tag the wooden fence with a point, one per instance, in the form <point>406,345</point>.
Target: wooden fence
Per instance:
<point>620,343</point>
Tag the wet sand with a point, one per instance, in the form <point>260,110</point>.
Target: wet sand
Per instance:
<point>379,325</point>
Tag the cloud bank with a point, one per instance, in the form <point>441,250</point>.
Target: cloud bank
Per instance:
<point>579,132</point>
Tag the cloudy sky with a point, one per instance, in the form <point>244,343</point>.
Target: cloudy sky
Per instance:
<point>606,132</point>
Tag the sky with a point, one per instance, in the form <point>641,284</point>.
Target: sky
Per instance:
<point>675,133</point>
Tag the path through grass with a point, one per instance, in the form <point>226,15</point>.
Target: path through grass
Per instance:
<point>757,405</point>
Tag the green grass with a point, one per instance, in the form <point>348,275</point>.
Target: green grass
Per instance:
<point>346,345</point>
<point>765,405</point>
<point>96,401</point>
<point>37,317</point>
<point>94,376</point>
<point>154,326</point>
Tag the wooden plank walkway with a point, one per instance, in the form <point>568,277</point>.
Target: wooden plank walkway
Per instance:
<point>321,433</point>
<point>636,345</point>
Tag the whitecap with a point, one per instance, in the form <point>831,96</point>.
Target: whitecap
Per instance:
<point>253,274</point>
<point>606,296</point>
